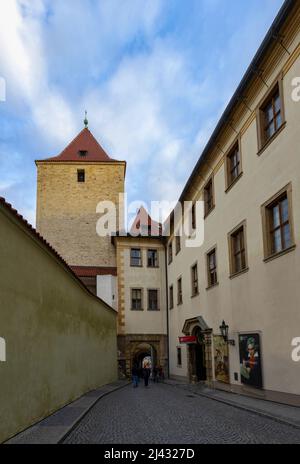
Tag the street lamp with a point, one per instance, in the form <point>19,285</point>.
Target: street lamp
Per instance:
<point>224,332</point>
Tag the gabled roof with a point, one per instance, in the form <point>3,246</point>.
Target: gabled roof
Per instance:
<point>145,224</point>
<point>83,142</point>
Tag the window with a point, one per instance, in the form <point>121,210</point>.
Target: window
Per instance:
<point>208,197</point>
<point>171,303</point>
<point>153,300</point>
<point>195,289</point>
<point>82,153</point>
<point>212,268</point>
<point>135,257</point>
<point>277,223</point>
<point>193,216</point>
<point>179,357</point>
<point>237,250</point>
<point>270,115</point>
<point>170,252</point>
<point>136,299</point>
<point>233,164</point>
<point>179,291</point>
<point>178,244</point>
<point>152,258</point>
<point>80,175</point>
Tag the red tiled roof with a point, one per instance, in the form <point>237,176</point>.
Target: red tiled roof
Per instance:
<point>36,235</point>
<point>144,222</point>
<point>92,271</point>
<point>85,141</point>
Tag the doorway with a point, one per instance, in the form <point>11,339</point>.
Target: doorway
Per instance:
<point>198,357</point>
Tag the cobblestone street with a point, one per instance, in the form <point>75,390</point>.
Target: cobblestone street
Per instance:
<point>164,414</point>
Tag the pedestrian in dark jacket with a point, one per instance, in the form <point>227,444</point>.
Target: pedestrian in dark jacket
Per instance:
<point>135,376</point>
<point>146,375</point>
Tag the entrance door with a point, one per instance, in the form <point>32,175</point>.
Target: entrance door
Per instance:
<point>200,362</point>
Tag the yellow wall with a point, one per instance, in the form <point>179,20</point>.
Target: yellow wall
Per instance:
<point>66,209</point>
<point>60,340</point>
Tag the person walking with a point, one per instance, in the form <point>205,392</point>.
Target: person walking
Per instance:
<point>135,376</point>
<point>146,375</point>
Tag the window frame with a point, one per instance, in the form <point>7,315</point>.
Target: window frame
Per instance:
<point>194,293</point>
<point>132,289</point>
<point>158,299</point>
<point>155,266</point>
<point>141,258</point>
<point>170,254</point>
<point>229,181</point>
<point>80,172</point>
<point>179,350</point>
<point>207,211</point>
<point>177,242</point>
<point>179,294</point>
<point>263,141</point>
<point>211,284</point>
<point>233,272</point>
<point>171,299</point>
<point>265,213</point>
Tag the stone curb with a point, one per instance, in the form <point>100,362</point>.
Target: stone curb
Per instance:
<point>21,437</point>
<point>259,412</point>
<point>79,419</point>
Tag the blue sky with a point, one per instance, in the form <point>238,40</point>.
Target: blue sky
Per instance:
<point>154,75</point>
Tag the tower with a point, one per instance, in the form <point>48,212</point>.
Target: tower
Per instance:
<point>69,188</point>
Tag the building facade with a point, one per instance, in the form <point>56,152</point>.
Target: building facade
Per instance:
<point>226,311</point>
<point>247,270</point>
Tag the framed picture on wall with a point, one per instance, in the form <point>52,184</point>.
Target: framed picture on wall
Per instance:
<point>250,359</point>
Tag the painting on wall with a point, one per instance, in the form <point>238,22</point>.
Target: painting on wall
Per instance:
<point>221,357</point>
<point>250,360</point>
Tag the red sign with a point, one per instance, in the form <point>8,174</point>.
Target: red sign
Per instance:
<point>188,339</point>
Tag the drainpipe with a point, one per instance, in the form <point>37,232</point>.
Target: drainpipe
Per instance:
<point>167,304</point>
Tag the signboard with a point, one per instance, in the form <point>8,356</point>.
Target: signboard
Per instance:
<point>188,339</point>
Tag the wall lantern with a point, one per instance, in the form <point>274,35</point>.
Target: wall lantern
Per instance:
<point>224,332</point>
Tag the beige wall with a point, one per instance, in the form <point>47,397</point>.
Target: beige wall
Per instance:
<point>142,322</point>
<point>266,298</point>
<point>60,340</point>
<point>66,209</point>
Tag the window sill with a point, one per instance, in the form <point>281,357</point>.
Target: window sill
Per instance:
<point>139,310</point>
<point>229,187</point>
<point>236,274</point>
<point>195,295</point>
<point>153,267</point>
<point>212,286</point>
<point>266,144</point>
<point>281,253</point>
<point>208,212</point>
<point>136,265</point>
<point>180,304</point>
<point>153,310</point>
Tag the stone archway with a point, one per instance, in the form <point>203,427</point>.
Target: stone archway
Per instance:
<point>140,352</point>
<point>200,353</point>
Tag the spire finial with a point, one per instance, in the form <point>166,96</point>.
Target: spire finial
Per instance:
<point>86,122</point>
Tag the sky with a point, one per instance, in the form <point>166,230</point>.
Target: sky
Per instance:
<point>154,75</point>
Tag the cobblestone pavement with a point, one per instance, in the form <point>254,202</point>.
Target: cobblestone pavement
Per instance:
<point>162,414</point>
